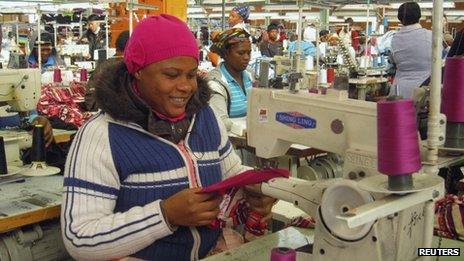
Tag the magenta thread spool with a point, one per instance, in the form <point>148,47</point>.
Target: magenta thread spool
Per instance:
<point>84,75</point>
<point>397,142</point>
<point>453,100</point>
<point>283,254</point>
<point>57,75</point>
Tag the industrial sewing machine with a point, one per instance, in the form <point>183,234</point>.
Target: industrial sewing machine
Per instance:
<point>285,73</point>
<point>20,89</point>
<point>359,216</point>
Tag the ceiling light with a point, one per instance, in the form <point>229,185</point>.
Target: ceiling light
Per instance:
<point>426,5</point>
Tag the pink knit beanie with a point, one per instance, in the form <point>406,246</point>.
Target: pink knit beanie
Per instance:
<point>158,38</point>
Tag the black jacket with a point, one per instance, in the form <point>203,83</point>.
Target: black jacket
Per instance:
<point>95,41</point>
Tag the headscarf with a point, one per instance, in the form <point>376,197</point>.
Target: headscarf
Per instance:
<point>224,40</point>
<point>243,11</point>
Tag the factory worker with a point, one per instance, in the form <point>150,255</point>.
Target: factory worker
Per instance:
<point>411,51</point>
<point>457,47</point>
<point>49,57</point>
<point>270,46</point>
<point>134,171</point>
<point>230,82</point>
<point>447,43</point>
<point>307,47</point>
<point>94,36</point>
<point>238,17</point>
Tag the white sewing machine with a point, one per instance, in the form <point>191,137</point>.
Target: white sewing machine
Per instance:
<point>19,88</point>
<point>358,217</point>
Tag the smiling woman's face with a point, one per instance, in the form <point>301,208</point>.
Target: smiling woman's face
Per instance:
<point>168,85</point>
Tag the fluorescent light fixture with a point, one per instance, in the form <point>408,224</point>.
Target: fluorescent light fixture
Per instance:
<point>334,19</point>
<point>28,7</point>
<point>357,7</point>
<point>306,15</point>
<point>426,5</point>
<point>454,13</point>
<point>262,15</point>
<point>191,10</point>
<point>359,19</point>
<point>285,7</point>
<point>196,16</point>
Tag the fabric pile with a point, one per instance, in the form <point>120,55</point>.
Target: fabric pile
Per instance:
<point>449,220</point>
<point>63,103</point>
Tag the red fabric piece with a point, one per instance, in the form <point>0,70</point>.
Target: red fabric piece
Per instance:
<point>234,208</point>
<point>246,178</point>
<point>449,213</point>
<point>303,222</point>
<point>62,102</point>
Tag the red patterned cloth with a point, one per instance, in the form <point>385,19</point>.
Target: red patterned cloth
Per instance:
<point>303,222</point>
<point>449,213</point>
<point>234,209</point>
<point>62,102</point>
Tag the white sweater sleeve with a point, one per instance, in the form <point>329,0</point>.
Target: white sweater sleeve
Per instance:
<point>231,164</point>
<point>218,103</point>
<point>90,227</point>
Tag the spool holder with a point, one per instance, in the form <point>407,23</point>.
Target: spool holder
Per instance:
<point>454,135</point>
<point>400,182</point>
<point>39,165</point>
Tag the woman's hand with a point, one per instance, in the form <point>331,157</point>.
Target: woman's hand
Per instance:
<point>258,202</point>
<point>48,130</point>
<point>190,208</point>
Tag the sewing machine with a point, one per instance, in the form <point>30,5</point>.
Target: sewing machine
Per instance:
<point>357,217</point>
<point>20,89</point>
<point>285,72</point>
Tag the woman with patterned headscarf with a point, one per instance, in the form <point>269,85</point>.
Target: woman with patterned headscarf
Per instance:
<point>238,17</point>
<point>230,82</point>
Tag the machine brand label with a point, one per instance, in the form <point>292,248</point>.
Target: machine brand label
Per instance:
<point>296,120</point>
<point>361,160</point>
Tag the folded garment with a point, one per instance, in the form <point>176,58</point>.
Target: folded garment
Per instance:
<point>246,178</point>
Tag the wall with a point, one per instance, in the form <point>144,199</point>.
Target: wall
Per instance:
<point>119,16</point>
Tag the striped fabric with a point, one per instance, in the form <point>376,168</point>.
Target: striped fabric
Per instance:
<point>117,174</point>
<point>238,96</point>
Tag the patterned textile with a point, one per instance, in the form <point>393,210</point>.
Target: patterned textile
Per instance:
<point>449,220</point>
<point>227,38</point>
<point>234,210</point>
<point>63,102</point>
<point>243,11</point>
<point>303,222</point>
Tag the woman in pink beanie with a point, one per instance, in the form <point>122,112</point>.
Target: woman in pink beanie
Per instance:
<point>134,171</point>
